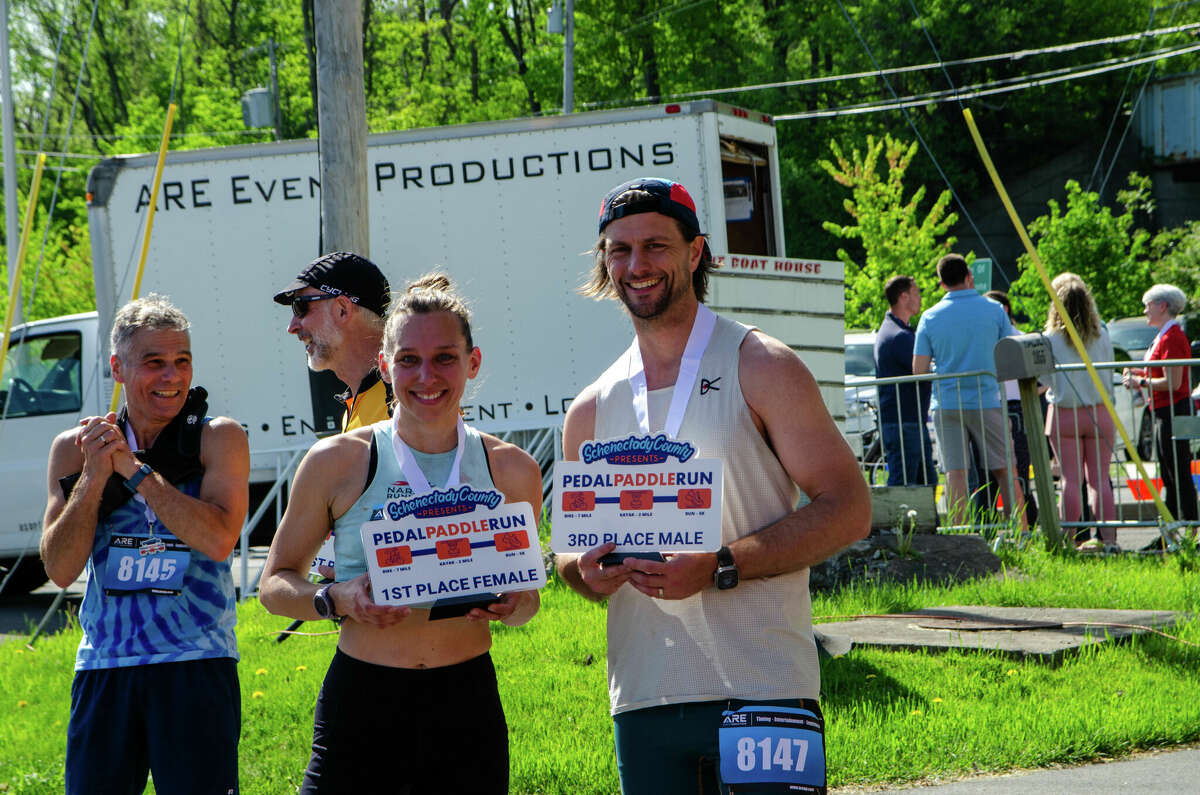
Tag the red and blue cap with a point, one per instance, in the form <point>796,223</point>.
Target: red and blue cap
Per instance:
<point>665,196</point>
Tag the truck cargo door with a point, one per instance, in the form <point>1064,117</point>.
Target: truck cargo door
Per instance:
<point>749,214</point>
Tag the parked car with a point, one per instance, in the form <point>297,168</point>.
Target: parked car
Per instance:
<point>862,424</point>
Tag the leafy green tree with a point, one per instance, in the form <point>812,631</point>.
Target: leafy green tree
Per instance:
<point>1176,257</point>
<point>894,237</point>
<point>1106,249</point>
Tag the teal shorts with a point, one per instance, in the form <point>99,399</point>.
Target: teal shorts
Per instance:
<point>673,750</point>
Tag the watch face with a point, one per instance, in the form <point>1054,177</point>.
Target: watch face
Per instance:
<point>727,579</point>
<point>321,603</point>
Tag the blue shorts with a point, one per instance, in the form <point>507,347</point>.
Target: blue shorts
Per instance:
<point>179,721</point>
<point>673,750</point>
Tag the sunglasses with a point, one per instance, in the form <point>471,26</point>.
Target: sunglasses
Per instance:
<point>300,302</point>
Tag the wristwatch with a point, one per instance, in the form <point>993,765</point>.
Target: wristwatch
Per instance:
<point>726,575</point>
<point>137,477</point>
<point>323,603</point>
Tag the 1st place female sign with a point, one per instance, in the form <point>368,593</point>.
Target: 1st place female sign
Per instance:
<point>451,544</point>
<point>644,493</point>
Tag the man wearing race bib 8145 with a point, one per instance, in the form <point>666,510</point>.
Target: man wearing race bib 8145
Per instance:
<point>156,685</point>
<point>699,635</point>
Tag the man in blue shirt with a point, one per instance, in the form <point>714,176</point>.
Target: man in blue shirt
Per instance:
<point>959,334</point>
<point>902,407</point>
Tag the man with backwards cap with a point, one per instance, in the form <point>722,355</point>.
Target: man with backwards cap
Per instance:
<point>338,305</point>
<point>697,634</point>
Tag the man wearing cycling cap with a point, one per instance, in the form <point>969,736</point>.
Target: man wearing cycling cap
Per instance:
<point>338,305</point>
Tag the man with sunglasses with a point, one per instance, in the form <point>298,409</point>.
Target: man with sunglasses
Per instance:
<point>338,306</point>
<point>704,646</point>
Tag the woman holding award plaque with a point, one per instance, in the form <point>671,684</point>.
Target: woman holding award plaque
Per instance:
<point>404,684</point>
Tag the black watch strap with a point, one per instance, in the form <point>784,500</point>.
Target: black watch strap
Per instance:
<point>726,575</point>
<point>724,557</point>
<point>137,477</point>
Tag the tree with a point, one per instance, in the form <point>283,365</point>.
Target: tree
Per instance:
<point>894,238</point>
<point>1106,250</point>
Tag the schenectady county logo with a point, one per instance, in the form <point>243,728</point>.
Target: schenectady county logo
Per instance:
<point>443,503</point>
<point>637,450</point>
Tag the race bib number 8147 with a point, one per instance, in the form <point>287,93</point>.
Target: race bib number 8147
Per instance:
<point>775,749</point>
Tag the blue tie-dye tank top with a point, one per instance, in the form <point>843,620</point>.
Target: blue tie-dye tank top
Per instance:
<point>142,628</point>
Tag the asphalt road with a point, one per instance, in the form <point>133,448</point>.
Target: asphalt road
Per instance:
<point>1170,771</point>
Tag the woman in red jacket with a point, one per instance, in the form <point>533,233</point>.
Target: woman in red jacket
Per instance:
<point>1169,389</point>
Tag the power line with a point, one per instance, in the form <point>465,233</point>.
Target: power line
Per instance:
<point>1012,55</point>
<point>928,149</point>
<point>1112,123</point>
<point>990,88</point>
<point>1129,123</point>
<point>153,136</point>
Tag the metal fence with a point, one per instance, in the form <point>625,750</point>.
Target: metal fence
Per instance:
<point>1083,447</point>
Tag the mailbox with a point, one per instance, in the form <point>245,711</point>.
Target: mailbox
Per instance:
<point>1023,356</point>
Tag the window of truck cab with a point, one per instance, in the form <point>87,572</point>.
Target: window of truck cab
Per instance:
<point>42,375</point>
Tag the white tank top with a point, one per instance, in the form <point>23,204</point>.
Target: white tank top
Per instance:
<point>754,641</point>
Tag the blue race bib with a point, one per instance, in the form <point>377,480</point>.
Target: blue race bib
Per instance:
<point>772,749</point>
<point>145,564</point>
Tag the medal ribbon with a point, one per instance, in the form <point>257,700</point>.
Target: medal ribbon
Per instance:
<point>689,370</point>
<point>410,467</point>
<point>151,517</point>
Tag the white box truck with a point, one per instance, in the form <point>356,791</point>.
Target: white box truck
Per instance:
<point>508,209</point>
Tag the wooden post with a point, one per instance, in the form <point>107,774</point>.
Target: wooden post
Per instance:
<point>342,126</point>
<point>1039,456</point>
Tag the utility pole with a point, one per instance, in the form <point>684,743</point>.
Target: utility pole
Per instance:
<point>561,19</point>
<point>12,223</point>
<point>275,88</point>
<point>341,126</point>
<point>569,59</point>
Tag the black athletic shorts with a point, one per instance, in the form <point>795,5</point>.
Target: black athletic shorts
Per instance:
<point>408,731</point>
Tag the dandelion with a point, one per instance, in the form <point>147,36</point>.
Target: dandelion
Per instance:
<point>256,694</point>
<point>870,676</point>
<point>1011,672</point>
<point>260,672</point>
<point>937,700</point>
<point>22,703</point>
<point>19,651</point>
<point>916,712</point>
<point>301,667</point>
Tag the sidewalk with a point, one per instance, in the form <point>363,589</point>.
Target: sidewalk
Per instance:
<point>1168,771</point>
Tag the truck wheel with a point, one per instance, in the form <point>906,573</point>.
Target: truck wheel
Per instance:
<point>28,575</point>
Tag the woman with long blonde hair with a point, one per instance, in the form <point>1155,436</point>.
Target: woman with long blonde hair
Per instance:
<point>1080,428</point>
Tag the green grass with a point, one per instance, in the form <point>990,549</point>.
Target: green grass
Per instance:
<point>892,716</point>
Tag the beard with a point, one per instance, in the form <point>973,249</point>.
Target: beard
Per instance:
<point>647,310</point>
<point>321,356</point>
